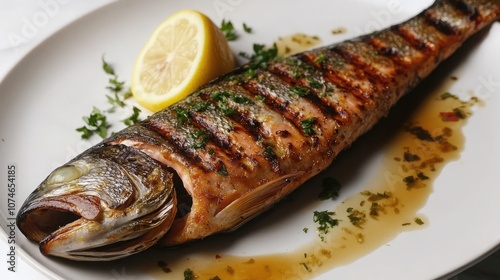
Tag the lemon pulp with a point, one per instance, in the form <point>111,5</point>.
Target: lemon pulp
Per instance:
<point>184,52</point>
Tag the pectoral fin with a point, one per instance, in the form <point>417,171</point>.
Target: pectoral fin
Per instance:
<point>252,203</point>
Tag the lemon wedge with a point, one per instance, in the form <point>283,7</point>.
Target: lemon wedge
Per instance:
<point>184,52</point>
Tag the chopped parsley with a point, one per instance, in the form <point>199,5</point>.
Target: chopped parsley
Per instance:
<point>115,86</point>
<point>325,221</point>
<point>376,196</point>
<point>300,91</point>
<point>222,170</point>
<point>182,115</point>
<point>95,123</point>
<point>422,176</point>
<point>247,28</point>
<point>134,118</point>
<point>375,209</point>
<point>308,126</point>
<point>409,157</point>
<point>320,58</point>
<point>419,221</point>
<point>189,274</point>
<point>261,57</point>
<point>228,30</point>
<point>269,152</point>
<point>199,106</point>
<point>108,69</point>
<point>447,95</point>
<point>356,217</point>
<point>420,133</point>
<point>409,180</point>
<point>315,84</point>
<point>331,188</point>
<point>199,138</point>
<point>223,98</point>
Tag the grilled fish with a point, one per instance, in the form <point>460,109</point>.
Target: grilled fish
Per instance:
<point>239,144</point>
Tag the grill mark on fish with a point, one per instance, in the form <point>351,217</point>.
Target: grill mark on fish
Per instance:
<point>466,9</point>
<point>451,18</point>
<point>346,104</point>
<point>272,101</point>
<point>341,71</point>
<point>243,126</point>
<point>399,49</point>
<point>441,24</point>
<point>178,135</point>
<point>298,71</point>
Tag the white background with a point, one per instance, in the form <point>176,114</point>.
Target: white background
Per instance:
<point>24,24</point>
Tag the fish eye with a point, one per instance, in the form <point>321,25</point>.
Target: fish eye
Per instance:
<point>66,173</point>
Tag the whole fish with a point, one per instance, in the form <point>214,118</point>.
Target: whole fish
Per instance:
<point>239,144</point>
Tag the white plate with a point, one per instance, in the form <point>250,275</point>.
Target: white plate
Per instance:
<point>44,97</point>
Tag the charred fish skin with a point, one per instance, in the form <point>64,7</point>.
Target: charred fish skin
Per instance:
<point>239,144</point>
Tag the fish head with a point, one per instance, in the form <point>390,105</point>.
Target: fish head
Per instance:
<point>108,203</point>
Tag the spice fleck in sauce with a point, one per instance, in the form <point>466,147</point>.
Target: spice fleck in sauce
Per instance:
<point>296,43</point>
<point>429,138</point>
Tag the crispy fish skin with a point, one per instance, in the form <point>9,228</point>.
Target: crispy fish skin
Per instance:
<point>244,141</point>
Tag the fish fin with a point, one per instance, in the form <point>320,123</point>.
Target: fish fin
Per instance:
<point>254,202</point>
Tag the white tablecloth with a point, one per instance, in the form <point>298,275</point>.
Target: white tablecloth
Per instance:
<point>25,23</point>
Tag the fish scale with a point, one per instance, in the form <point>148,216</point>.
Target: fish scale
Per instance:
<point>239,144</point>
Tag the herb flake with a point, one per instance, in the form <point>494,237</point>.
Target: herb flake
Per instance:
<point>228,30</point>
<point>324,221</point>
<point>331,189</point>
<point>96,123</point>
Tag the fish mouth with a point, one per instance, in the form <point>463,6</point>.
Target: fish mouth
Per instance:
<point>75,230</point>
<point>99,208</point>
<point>45,216</point>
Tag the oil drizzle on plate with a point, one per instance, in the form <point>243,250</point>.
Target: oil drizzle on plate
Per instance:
<point>296,43</point>
<point>429,138</point>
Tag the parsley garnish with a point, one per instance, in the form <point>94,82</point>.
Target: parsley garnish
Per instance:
<point>108,69</point>
<point>223,97</point>
<point>182,115</point>
<point>300,91</point>
<point>222,170</point>
<point>409,157</point>
<point>419,221</point>
<point>447,95</point>
<point>356,217</point>
<point>420,133</point>
<point>199,106</point>
<point>96,123</point>
<point>116,87</point>
<point>320,58</point>
<point>331,188</point>
<point>228,30</point>
<point>269,152</point>
<point>189,274</point>
<point>261,57</point>
<point>308,126</point>
<point>325,221</point>
<point>199,138</point>
<point>246,28</point>
<point>134,118</point>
